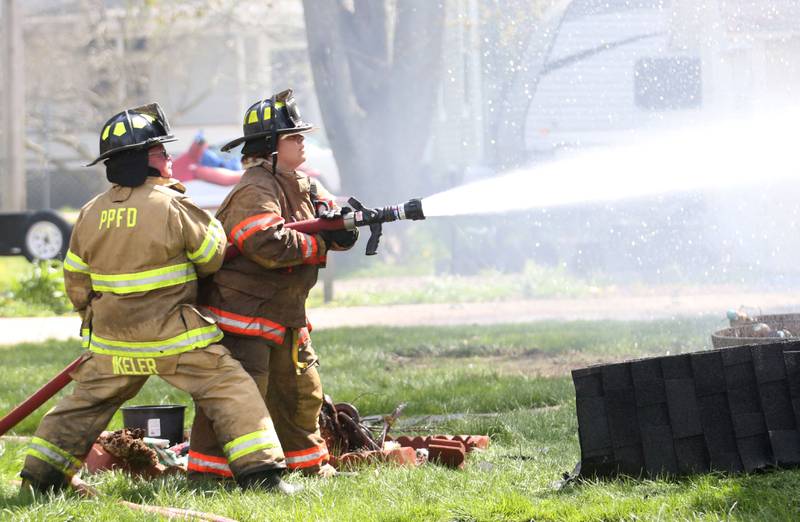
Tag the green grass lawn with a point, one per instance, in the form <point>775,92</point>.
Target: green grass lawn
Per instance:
<point>532,282</point>
<point>517,374</point>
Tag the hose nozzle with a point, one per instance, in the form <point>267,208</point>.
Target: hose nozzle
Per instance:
<point>413,210</point>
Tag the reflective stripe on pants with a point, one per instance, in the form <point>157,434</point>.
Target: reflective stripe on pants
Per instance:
<point>314,456</point>
<point>53,455</point>
<point>209,464</point>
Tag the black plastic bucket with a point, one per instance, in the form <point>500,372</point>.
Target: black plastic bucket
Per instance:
<point>160,422</point>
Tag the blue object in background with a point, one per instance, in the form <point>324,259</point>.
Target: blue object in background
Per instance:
<point>212,159</point>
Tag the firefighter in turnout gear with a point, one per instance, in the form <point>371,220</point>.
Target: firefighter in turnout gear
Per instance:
<point>132,270</point>
<point>258,298</point>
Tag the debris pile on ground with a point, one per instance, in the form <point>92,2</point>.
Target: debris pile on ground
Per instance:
<point>128,445</point>
<point>130,451</point>
<point>352,443</point>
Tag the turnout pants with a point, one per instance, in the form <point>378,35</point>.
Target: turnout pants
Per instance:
<point>293,397</point>
<point>215,380</point>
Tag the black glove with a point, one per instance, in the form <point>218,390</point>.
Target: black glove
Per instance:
<point>339,238</point>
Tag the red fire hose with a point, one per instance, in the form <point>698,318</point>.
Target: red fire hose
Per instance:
<point>40,397</point>
<point>307,226</point>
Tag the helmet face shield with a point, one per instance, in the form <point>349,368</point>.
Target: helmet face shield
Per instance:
<point>291,109</point>
<point>154,111</point>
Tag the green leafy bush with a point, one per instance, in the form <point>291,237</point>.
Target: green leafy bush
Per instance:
<point>41,289</point>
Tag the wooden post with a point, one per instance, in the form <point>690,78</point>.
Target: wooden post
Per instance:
<point>13,173</point>
<point>327,281</point>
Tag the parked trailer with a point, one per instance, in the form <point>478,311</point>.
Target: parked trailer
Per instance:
<point>41,234</point>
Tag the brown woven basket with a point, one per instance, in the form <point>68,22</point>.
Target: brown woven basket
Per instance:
<point>741,332</point>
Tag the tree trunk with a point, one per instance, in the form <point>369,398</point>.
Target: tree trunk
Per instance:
<point>376,79</point>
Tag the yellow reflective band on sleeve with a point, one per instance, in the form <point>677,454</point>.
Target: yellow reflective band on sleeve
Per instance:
<point>197,338</point>
<point>215,236</point>
<point>86,334</point>
<point>53,455</point>
<point>73,263</point>
<point>144,281</point>
<point>119,129</point>
<point>250,443</point>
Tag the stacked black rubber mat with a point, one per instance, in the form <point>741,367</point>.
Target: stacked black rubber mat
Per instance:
<point>734,409</point>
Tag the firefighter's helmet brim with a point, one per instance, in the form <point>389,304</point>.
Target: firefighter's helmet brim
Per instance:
<point>145,145</point>
<point>284,132</point>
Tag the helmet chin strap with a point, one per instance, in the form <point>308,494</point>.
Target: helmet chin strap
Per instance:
<point>274,137</point>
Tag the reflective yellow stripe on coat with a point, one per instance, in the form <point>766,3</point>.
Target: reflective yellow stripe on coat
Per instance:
<point>144,281</point>
<point>53,455</point>
<point>197,338</point>
<point>214,238</point>
<point>73,263</point>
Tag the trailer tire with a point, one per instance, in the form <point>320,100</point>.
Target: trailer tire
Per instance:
<point>46,237</point>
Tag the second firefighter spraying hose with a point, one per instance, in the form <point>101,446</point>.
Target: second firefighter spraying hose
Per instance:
<point>282,226</point>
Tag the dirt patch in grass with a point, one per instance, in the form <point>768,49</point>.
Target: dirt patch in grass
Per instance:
<point>532,363</point>
<point>548,365</point>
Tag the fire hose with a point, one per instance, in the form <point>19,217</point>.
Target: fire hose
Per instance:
<point>374,218</point>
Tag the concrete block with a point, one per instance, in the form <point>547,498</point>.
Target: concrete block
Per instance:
<point>446,453</point>
<point>588,384</point>
<point>791,361</point>
<point>768,362</point>
<point>709,373</point>
<point>644,370</point>
<point>593,430</point>
<point>777,405</point>
<point>736,355</point>
<point>785,447</point>
<point>622,422</point>
<point>649,392</point>
<point>404,456</point>
<point>727,462</point>
<point>755,452</point>
<point>744,400</point>
<point>692,455</point>
<point>653,415</point>
<point>677,367</point>
<point>684,414</point>
<point>717,425</point>
<point>616,377</point>
<point>748,424</point>
<point>658,451</point>
<point>629,460</point>
<point>740,376</point>
<point>597,467</point>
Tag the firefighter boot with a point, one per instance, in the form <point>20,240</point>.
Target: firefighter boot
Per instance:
<point>268,480</point>
<point>51,481</point>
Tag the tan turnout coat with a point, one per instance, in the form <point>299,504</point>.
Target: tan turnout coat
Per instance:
<point>132,267</point>
<point>279,266</point>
